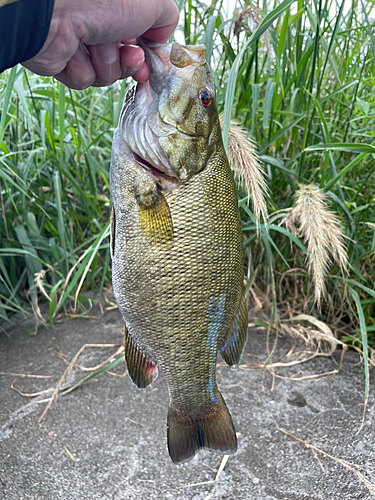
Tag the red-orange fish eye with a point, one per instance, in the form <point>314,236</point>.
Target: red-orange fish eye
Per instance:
<point>205,97</point>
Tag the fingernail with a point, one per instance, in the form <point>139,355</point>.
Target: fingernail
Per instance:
<point>131,70</point>
<point>138,64</point>
<point>138,57</point>
<point>80,54</point>
<point>107,52</point>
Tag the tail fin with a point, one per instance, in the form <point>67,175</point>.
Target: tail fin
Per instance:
<point>210,428</point>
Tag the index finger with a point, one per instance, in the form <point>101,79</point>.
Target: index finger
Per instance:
<point>160,35</point>
<point>165,24</point>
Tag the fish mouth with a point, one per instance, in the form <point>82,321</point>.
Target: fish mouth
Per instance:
<point>151,168</point>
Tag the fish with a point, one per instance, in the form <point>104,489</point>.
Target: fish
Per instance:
<point>177,245</point>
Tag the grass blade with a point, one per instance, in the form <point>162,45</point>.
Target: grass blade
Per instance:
<point>234,73</point>
<point>343,146</point>
<point>362,325</point>
<point>6,100</point>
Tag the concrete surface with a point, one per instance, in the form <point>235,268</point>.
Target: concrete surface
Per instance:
<point>107,439</point>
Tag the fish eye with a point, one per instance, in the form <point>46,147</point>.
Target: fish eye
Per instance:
<point>205,96</point>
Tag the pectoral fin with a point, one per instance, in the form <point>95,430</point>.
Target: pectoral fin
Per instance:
<point>156,221</point>
<point>142,370</point>
<point>234,344</point>
<point>154,214</point>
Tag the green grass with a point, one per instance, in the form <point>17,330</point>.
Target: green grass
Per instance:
<point>301,81</point>
<point>54,189</point>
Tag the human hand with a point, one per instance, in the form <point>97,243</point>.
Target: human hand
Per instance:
<point>92,42</point>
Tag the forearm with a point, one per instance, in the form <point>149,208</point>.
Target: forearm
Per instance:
<point>24,26</point>
<point>83,42</point>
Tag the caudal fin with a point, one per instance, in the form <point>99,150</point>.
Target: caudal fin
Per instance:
<point>210,428</point>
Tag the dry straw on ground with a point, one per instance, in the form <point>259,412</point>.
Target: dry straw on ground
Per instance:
<point>348,465</point>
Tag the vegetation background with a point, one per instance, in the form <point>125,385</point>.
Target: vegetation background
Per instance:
<point>300,78</point>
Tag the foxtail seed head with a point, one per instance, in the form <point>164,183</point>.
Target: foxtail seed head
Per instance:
<point>247,168</point>
<point>312,219</point>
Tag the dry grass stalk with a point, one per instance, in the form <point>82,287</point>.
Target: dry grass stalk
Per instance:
<point>39,320</point>
<point>247,20</point>
<point>105,362</point>
<point>28,394</point>
<point>69,368</point>
<point>350,466</point>
<point>247,168</point>
<point>71,364</point>
<point>69,454</point>
<point>321,337</point>
<point>219,471</point>
<point>302,357</point>
<point>24,375</point>
<point>39,283</point>
<point>313,220</point>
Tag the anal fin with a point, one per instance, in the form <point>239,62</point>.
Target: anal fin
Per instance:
<point>234,344</point>
<point>141,369</point>
<point>210,428</point>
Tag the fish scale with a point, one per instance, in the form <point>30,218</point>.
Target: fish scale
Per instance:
<point>178,269</point>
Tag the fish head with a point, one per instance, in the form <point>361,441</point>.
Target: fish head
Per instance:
<point>169,122</point>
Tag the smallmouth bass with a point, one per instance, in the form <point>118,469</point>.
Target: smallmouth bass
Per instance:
<point>176,245</point>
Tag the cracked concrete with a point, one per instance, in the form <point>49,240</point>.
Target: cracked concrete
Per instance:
<point>107,439</point>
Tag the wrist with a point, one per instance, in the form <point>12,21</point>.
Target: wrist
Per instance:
<point>61,43</point>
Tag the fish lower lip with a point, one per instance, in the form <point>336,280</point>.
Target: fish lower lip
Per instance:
<point>150,167</point>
